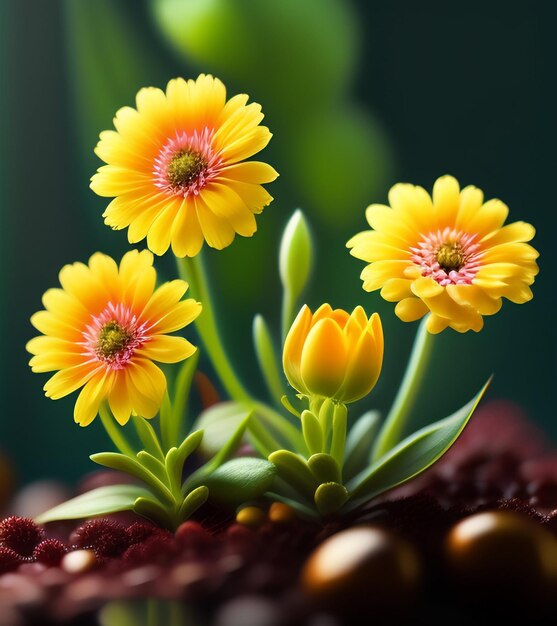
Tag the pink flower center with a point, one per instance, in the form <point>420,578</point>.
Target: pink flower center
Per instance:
<point>113,336</point>
<point>449,256</point>
<point>186,163</point>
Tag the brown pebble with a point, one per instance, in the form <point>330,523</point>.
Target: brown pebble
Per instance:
<point>359,564</point>
<point>78,561</point>
<point>281,513</point>
<point>250,516</point>
<point>502,552</point>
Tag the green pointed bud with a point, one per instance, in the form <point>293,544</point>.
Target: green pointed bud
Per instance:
<point>296,254</point>
<point>330,498</point>
<point>326,413</point>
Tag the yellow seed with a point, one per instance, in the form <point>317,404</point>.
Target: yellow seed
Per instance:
<point>281,513</point>
<point>250,516</point>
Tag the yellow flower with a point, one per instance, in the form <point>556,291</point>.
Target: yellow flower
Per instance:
<point>175,167</point>
<point>449,254</point>
<point>103,330</point>
<point>333,354</point>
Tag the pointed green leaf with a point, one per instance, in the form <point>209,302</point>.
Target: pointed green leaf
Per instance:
<point>132,467</point>
<point>287,404</point>
<point>148,436</point>
<point>359,443</point>
<point>295,471</point>
<point>192,502</point>
<point>240,480</point>
<point>261,438</point>
<point>101,501</point>
<point>313,433</point>
<point>411,456</point>
<point>267,357</point>
<point>182,390</point>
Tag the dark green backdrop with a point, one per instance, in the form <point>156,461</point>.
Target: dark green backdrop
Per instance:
<point>451,90</point>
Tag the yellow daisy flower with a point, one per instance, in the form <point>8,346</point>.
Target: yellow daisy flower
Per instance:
<point>175,167</point>
<point>103,330</point>
<point>449,254</point>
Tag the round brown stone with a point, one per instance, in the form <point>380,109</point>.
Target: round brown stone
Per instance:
<point>364,565</point>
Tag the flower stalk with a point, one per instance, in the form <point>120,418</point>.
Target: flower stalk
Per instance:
<point>397,418</point>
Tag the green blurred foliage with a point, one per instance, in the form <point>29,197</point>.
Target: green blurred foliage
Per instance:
<point>456,92</point>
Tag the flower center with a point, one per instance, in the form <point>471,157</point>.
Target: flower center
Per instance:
<point>186,163</point>
<point>112,340</point>
<point>185,168</point>
<point>451,257</point>
<point>114,335</point>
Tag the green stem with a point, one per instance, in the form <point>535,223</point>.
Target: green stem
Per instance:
<point>397,418</point>
<point>114,431</point>
<point>288,304</point>
<point>192,271</point>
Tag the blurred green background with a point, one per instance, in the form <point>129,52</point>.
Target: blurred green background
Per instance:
<point>359,95</point>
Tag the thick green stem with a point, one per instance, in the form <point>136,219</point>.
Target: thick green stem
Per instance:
<point>114,431</point>
<point>192,271</point>
<point>393,427</point>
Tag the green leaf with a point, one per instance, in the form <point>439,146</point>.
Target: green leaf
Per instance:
<point>411,456</point>
<point>150,508</point>
<point>219,423</point>
<point>359,443</point>
<point>101,501</point>
<point>295,471</point>
<point>174,469</point>
<point>182,390</point>
<point>339,433</point>
<point>148,437</point>
<point>324,468</point>
<point>192,502</point>
<point>125,464</point>
<point>189,445</point>
<point>199,477</point>
<point>287,404</point>
<point>261,438</point>
<point>267,357</point>
<point>240,480</point>
<point>153,465</point>
<point>313,433</point>
<point>330,498</point>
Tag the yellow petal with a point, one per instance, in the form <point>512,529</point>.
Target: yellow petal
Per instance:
<point>446,200</point>
<point>324,358</point>
<point>90,398</point>
<point>425,287</point>
<point>293,346</point>
<point>254,172</point>
<point>119,399</point>
<point>165,349</point>
<point>411,309</point>
<point>68,380</point>
<point>178,316</point>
